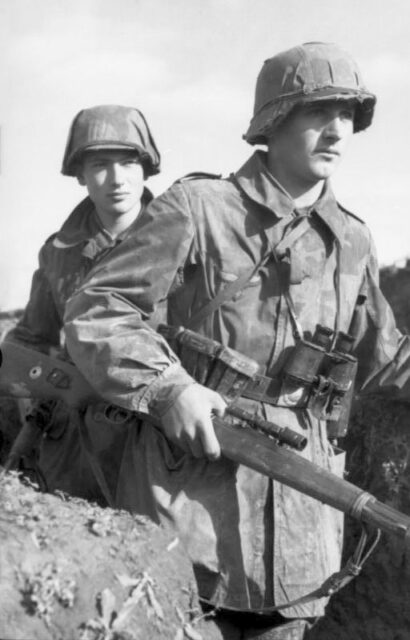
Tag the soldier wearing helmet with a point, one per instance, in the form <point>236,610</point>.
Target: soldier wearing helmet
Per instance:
<point>260,261</point>
<point>111,152</point>
<point>313,72</point>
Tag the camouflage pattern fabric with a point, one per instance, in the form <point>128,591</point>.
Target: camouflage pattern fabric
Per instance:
<point>64,261</point>
<point>253,542</point>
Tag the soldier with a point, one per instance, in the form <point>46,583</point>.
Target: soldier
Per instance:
<point>111,152</point>
<point>302,264</point>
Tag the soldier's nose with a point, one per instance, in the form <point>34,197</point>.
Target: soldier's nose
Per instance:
<point>334,128</point>
<point>117,174</point>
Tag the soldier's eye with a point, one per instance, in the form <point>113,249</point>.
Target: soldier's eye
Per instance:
<point>347,114</point>
<point>316,111</point>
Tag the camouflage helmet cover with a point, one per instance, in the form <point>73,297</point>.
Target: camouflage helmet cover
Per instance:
<point>110,127</point>
<point>310,72</point>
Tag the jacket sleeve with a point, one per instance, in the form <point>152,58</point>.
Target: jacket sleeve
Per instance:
<point>383,352</point>
<point>40,324</point>
<point>108,338</point>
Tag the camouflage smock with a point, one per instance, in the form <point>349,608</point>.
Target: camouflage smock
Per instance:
<point>253,542</point>
<point>64,261</point>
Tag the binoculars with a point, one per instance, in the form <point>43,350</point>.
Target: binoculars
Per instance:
<point>326,367</point>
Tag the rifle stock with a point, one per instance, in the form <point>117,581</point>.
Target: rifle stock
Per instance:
<point>26,373</point>
<point>31,374</point>
<point>263,454</point>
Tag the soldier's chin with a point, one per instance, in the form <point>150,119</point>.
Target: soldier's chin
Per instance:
<point>118,208</point>
<point>325,169</point>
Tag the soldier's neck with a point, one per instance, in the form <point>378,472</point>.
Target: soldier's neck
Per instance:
<point>116,223</point>
<point>303,193</point>
<point>309,197</point>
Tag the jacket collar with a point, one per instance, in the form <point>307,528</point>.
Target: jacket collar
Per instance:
<point>83,226</point>
<point>260,186</point>
<point>329,211</point>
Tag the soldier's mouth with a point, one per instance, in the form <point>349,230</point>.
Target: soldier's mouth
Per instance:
<point>328,152</point>
<point>118,194</point>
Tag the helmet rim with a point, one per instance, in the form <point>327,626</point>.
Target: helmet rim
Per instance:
<point>303,74</point>
<point>110,127</point>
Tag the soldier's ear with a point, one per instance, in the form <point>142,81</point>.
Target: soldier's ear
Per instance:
<point>79,171</point>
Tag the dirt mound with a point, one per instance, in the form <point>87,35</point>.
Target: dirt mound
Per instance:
<point>73,571</point>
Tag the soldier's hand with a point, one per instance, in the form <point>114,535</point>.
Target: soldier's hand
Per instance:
<point>188,422</point>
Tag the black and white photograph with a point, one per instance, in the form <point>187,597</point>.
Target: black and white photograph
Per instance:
<point>204,320</point>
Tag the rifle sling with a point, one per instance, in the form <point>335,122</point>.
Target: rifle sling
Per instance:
<point>296,227</point>
<point>92,459</point>
<point>331,585</point>
<point>261,388</point>
<point>225,294</point>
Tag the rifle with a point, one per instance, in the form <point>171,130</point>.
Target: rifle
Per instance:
<point>25,373</point>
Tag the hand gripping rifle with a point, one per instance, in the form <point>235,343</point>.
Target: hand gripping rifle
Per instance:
<point>258,444</point>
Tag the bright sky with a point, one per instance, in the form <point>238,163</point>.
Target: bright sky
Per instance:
<point>190,66</point>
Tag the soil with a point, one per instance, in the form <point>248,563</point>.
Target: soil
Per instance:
<point>71,570</point>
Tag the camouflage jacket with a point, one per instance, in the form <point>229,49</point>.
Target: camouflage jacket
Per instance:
<point>253,542</point>
<point>64,260</point>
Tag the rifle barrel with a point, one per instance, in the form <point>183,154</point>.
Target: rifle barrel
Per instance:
<point>283,435</point>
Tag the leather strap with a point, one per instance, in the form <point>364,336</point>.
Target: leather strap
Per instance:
<point>92,459</point>
<point>298,227</point>
<point>331,585</point>
<point>225,294</point>
<point>235,287</point>
<point>263,389</point>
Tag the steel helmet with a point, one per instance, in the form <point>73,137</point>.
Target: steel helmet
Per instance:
<point>312,71</point>
<point>110,127</point>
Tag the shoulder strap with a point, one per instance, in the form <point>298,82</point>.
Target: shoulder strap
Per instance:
<point>198,175</point>
<point>350,213</point>
<point>298,228</point>
<point>235,287</point>
<point>225,294</point>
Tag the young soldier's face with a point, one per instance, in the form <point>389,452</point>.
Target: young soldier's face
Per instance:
<point>310,143</point>
<point>114,180</point>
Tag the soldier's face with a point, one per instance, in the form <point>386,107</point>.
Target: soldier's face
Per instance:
<point>310,143</point>
<point>114,180</point>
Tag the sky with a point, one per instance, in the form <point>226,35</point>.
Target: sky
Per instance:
<point>191,67</point>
